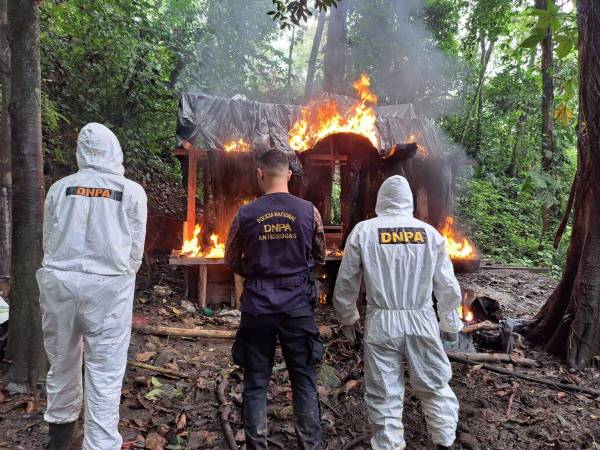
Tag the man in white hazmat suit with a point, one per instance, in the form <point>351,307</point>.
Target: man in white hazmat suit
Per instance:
<point>94,230</point>
<point>402,260</point>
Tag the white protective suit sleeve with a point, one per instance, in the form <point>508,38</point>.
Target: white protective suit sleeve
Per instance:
<point>348,281</point>
<point>137,216</point>
<point>447,292</point>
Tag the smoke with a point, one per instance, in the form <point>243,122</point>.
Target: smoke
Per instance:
<point>392,40</point>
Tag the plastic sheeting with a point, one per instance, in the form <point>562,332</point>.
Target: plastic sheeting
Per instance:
<point>209,122</point>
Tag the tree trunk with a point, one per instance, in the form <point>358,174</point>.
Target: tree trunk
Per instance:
<point>291,57</point>
<point>548,144</point>
<point>5,171</point>
<point>569,323</point>
<point>515,161</point>
<point>25,348</point>
<point>334,64</point>
<point>314,53</point>
<point>486,55</point>
<point>480,98</point>
<point>514,167</point>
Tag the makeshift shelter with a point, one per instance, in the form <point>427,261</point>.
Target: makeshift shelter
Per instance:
<point>218,140</point>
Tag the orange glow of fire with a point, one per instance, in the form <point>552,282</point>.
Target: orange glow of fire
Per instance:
<point>421,150</point>
<point>218,248</point>
<point>324,118</point>
<point>236,146</point>
<point>465,313</point>
<point>457,246</point>
<point>192,248</point>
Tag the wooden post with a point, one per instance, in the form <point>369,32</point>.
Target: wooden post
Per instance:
<point>202,276</point>
<point>191,193</point>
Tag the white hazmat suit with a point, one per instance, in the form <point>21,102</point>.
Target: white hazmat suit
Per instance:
<point>94,230</point>
<point>403,260</point>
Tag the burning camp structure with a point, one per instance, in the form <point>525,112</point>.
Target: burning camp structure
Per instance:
<point>340,150</point>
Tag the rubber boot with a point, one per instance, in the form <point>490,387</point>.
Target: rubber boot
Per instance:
<point>61,436</point>
<point>443,447</point>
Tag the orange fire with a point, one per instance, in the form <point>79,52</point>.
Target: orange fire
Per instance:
<point>465,313</point>
<point>236,146</point>
<point>457,246</point>
<point>191,247</point>
<point>324,118</point>
<point>421,150</point>
<point>218,248</point>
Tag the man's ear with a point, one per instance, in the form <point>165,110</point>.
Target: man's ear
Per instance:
<point>289,175</point>
<point>259,173</point>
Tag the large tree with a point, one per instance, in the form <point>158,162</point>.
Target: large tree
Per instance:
<point>5,171</point>
<point>334,63</point>
<point>569,322</point>
<point>25,348</point>
<point>547,69</point>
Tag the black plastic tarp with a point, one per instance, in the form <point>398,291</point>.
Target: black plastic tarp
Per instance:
<point>209,122</point>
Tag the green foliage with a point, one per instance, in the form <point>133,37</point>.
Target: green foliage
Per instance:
<point>291,12</point>
<point>504,221</point>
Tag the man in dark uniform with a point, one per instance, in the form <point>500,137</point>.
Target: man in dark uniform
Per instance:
<point>275,243</point>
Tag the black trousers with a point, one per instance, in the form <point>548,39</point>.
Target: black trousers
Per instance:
<point>254,350</point>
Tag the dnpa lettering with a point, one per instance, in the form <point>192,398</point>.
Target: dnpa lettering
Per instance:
<point>95,192</point>
<point>277,228</point>
<point>402,235</point>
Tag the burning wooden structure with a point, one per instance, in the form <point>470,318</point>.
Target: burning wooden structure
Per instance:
<point>340,150</point>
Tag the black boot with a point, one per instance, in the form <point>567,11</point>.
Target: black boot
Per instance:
<point>443,447</point>
<point>61,436</point>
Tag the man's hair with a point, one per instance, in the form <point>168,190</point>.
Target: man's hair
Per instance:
<point>274,162</point>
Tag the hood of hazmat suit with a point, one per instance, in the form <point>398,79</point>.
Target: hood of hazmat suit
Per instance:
<point>403,261</point>
<point>94,231</point>
<point>95,219</point>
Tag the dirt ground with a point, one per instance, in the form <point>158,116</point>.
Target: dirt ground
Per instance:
<point>497,412</point>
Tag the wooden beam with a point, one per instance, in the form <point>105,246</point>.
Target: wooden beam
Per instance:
<point>202,276</point>
<point>191,193</point>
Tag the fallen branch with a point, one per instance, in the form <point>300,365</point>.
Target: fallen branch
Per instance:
<point>487,325</point>
<point>493,357</point>
<point>161,370</point>
<point>184,332</point>
<point>527,269</point>
<point>558,386</point>
<point>356,441</point>
<point>225,408</point>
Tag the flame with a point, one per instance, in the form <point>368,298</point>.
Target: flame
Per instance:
<point>191,247</point>
<point>421,150</point>
<point>218,248</point>
<point>465,313</point>
<point>323,119</point>
<point>457,246</point>
<point>236,146</point>
<point>322,298</point>
<point>334,252</point>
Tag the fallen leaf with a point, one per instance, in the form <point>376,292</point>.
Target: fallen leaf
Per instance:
<point>351,384</point>
<point>153,394</point>
<point>155,441</point>
<point>32,406</point>
<point>182,421</point>
<point>145,356</point>
<point>155,382</point>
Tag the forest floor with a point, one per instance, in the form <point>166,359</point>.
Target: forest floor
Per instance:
<point>497,412</point>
